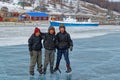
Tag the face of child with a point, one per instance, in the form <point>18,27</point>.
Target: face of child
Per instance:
<point>52,32</point>
<point>37,34</point>
<point>62,30</point>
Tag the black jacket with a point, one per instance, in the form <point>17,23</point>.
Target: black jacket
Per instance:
<point>49,41</point>
<point>35,43</point>
<point>63,40</point>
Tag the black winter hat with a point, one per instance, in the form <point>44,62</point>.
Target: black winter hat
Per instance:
<point>51,28</point>
<point>62,26</point>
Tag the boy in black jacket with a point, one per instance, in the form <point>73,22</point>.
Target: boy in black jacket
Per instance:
<point>35,47</point>
<point>63,43</point>
<point>49,45</point>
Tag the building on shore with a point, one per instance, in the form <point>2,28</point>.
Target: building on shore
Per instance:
<point>1,18</point>
<point>61,16</point>
<point>33,16</point>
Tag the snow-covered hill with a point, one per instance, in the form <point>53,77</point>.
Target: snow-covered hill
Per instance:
<point>69,7</point>
<point>12,7</point>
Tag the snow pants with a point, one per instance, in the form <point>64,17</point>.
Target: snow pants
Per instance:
<point>35,57</point>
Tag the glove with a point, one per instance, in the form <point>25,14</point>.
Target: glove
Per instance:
<point>71,48</point>
<point>30,49</point>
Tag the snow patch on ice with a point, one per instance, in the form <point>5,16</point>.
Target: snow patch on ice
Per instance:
<point>13,41</point>
<point>19,35</point>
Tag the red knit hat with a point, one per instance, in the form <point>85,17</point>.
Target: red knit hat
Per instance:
<point>36,30</point>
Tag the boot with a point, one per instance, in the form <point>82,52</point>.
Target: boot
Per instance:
<point>40,70</point>
<point>68,69</point>
<point>51,70</point>
<point>56,68</point>
<point>32,73</point>
<point>44,71</point>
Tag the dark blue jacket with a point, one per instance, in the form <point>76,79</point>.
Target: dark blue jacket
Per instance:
<point>35,43</point>
<point>63,41</point>
<point>49,41</point>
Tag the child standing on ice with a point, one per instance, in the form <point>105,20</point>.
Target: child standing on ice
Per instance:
<point>63,43</point>
<point>35,47</point>
<point>49,45</point>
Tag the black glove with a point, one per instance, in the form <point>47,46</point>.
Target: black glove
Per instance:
<point>71,48</point>
<point>30,49</point>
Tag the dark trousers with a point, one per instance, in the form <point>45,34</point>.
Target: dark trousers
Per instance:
<point>35,57</point>
<point>49,58</point>
<point>66,57</point>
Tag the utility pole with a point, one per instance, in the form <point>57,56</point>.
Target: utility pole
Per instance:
<point>61,4</point>
<point>110,12</point>
<point>39,2</point>
<point>54,1</point>
<point>112,9</point>
<point>71,4</point>
<point>85,2</point>
<point>78,6</point>
<point>32,2</point>
<point>23,4</point>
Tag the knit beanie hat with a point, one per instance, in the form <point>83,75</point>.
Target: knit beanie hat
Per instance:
<point>51,28</point>
<point>36,30</point>
<point>62,26</point>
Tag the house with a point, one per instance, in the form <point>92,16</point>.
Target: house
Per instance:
<point>4,11</point>
<point>1,19</point>
<point>25,4</point>
<point>60,16</point>
<point>34,16</point>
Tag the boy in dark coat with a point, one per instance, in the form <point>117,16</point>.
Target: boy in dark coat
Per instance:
<point>49,45</point>
<point>63,43</point>
<point>35,47</point>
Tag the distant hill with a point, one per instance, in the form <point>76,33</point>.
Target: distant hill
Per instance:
<point>106,4</point>
<point>99,8</point>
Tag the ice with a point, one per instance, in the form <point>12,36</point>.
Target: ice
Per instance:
<point>96,54</point>
<point>19,35</point>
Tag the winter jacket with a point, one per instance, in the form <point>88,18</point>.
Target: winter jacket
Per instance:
<point>63,41</point>
<point>49,41</point>
<point>34,43</point>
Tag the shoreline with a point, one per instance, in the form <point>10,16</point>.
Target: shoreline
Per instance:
<point>34,23</point>
<point>23,24</point>
<point>74,39</point>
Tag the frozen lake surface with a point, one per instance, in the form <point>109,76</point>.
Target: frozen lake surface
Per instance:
<point>96,54</point>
